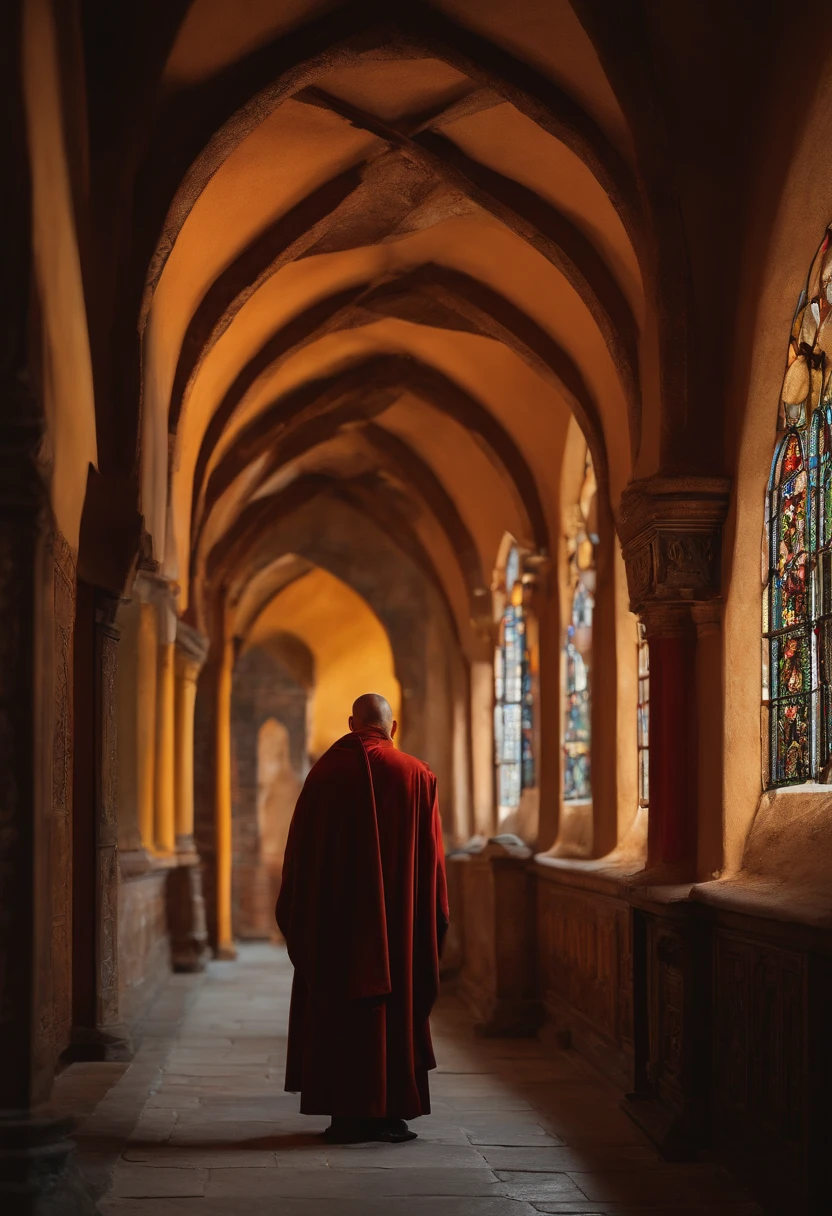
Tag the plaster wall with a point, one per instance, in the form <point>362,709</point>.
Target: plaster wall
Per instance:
<point>70,442</point>
<point>264,693</point>
<point>777,265</point>
<point>351,649</point>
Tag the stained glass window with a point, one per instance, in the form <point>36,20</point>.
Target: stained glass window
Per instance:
<point>643,718</point>
<point>514,699</point>
<point>577,734</point>
<point>797,601</point>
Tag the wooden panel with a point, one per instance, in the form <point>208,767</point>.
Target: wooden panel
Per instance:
<point>479,974</point>
<point>762,1065</point>
<point>760,1006</point>
<point>585,959</point>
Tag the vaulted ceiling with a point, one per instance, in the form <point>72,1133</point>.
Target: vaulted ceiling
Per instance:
<point>380,255</point>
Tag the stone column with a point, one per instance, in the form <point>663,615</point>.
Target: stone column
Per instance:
<point>222,726</point>
<point>671,537</point>
<point>134,856</point>
<point>164,784</point>
<point>37,1172</point>
<point>482,747</point>
<point>36,1163</point>
<point>186,905</point>
<point>98,1033</point>
<point>146,678</point>
<point>191,652</point>
<point>671,827</point>
<point>707,619</point>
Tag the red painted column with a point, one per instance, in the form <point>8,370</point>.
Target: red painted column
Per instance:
<point>671,637</point>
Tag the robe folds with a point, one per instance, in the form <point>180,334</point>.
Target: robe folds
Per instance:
<point>363,907</point>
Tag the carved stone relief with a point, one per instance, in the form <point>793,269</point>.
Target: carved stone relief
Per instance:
<point>671,537</point>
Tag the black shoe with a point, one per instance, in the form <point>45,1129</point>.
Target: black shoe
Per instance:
<point>346,1130</point>
<point>395,1131</point>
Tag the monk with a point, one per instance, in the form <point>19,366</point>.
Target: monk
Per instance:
<point>363,907</point>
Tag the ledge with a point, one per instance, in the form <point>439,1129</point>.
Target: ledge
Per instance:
<point>603,875</point>
<point>786,864</point>
<point>768,899</point>
<point>139,863</point>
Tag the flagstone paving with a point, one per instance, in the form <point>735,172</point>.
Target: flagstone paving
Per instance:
<point>199,1125</point>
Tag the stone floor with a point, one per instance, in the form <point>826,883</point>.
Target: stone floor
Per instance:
<point>199,1125</point>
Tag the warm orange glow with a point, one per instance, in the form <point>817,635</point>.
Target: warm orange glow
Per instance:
<point>350,646</point>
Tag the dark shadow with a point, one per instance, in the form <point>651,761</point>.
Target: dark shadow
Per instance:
<point>287,1140</point>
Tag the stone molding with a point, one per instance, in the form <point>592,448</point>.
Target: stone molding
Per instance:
<point>191,645</point>
<point>671,537</point>
<point>149,588</point>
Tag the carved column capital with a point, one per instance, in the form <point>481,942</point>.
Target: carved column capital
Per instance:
<point>191,649</point>
<point>150,588</point>
<point>671,537</point>
<point>666,619</point>
<point>106,607</point>
<point>707,616</point>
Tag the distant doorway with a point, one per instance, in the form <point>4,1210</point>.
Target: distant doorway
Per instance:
<point>278,787</point>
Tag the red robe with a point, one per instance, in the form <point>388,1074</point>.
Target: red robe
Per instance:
<point>363,907</point>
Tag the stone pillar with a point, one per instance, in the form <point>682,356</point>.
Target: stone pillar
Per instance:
<point>482,747</point>
<point>671,538</point>
<point>146,678</point>
<point>671,827</point>
<point>186,905</point>
<point>134,857</point>
<point>225,941</point>
<point>98,1033</point>
<point>164,783</point>
<point>37,1173</point>
<point>707,618</point>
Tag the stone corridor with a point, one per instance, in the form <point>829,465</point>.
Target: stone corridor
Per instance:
<point>199,1124</point>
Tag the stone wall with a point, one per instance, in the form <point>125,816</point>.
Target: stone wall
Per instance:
<point>59,1030</point>
<point>263,689</point>
<point>713,1020</point>
<point>585,968</point>
<point>144,948</point>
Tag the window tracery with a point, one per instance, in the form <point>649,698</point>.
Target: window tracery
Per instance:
<point>514,700</point>
<point>577,736</point>
<point>797,600</point>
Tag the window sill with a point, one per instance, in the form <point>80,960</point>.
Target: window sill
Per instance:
<point>602,874</point>
<point>787,860</point>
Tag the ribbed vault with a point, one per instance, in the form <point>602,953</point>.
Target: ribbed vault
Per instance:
<point>379,262</point>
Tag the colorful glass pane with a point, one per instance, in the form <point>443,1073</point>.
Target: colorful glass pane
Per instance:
<point>790,554</point>
<point>791,740</point>
<point>509,785</point>
<point>576,783</point>
<point>577,709</point>
<point>527,725</point>
<point>797,609</point>
<point>514,700</point>
<point>792,661</point>
<point>513,655</point>
<point>499,675</point>
<point>580,544</point>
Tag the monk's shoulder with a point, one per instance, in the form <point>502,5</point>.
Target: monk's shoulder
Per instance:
<point>413,764</point>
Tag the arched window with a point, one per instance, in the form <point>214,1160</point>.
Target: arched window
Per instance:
<point>513,709</point>
<point>577,734</point>
<point>797,602</point>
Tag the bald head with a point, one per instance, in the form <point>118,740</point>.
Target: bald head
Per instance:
<point>372,709</point>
